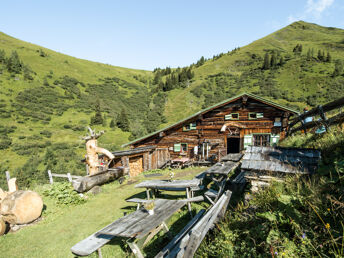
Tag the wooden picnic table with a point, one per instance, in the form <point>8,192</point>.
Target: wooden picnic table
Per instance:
<point>222,168</point>
<point>139,227</point>
<point>175,185</point>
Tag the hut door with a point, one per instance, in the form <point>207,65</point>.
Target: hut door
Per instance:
<point>233,145</point>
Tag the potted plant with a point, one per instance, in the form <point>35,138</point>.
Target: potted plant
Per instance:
<point>149,206</point>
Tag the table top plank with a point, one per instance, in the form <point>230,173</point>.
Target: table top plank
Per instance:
<point>140,223</point>
<point>156,184</point>
<point>222,168</point>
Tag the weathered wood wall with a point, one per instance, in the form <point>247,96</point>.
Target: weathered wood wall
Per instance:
<point>208,128</point>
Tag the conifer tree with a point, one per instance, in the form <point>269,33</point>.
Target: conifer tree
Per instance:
<point>97,119</point>
<point>122,121</point>
<point>112,123</point>
<point>338,68</point>
<point>320,56</point>
<point>266,64</point>
<point>281,62</point>
<point>14,65</point>
<point>273,60</point>
<point>2,56</point>
<point>328,58</point>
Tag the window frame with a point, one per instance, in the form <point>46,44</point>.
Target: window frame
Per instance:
<point>230,116</point>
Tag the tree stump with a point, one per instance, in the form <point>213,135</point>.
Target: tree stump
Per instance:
<point>2,227</point>
<point>21,207</point>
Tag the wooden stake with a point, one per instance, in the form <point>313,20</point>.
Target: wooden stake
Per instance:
<point>50,177</point>
<point>8,177</point>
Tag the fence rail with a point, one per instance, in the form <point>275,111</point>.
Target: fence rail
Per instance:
<point>68,175</point>
<point>319,110</point>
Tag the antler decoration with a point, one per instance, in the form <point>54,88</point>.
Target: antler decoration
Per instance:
<point>92,135</point>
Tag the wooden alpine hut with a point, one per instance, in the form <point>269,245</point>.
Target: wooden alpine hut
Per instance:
<point>226,127</point>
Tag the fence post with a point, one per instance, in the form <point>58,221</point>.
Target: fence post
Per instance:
<point>69,177</point>
<point>50,177</point>
<point>8,177</point>
<point>323,117</point>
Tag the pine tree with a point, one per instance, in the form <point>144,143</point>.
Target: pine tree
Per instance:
<point>320,56</point>
<point>266,64</point>
<point>273,60</point>
<point>122,121</point>
<point>97,119</point>
<point>2,56</point>
<point>328,58</point>
<point>112,123</point>
<point>14,65</point>
<point>281,62</point>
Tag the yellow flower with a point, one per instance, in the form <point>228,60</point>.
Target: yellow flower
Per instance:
<point>328,209</point>
<point>327,226</point>
<point>248,193</point>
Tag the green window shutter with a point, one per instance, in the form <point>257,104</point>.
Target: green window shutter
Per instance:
<point>176,147</point>
<point>260,115</point>
<point>248,140</point>
<point>193,125</point>
<point>274,139</point>
<point>228,117</point>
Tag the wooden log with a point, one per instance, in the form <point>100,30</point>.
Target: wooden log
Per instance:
<point>21,207</point>
<point>8,177</point>
<point>3,194</point>
<point>84,184</point>
<point>2,226</point>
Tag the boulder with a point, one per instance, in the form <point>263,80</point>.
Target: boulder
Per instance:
<point>21,207</point>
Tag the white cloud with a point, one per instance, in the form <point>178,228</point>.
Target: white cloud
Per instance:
<point>316,8</point>
<point>312,11</point>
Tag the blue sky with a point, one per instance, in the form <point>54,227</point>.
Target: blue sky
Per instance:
<point>149,34</point>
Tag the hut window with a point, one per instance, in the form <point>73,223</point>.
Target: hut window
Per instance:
<point>191,126</point>
<point>277,121</point>
<point>261,139</point>
<point>177,147</point>
<point>232,116</point>
<point>184,147</point>
<point>255,115</point>
<point>247,140</point>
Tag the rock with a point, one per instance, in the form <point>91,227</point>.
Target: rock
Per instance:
<point>21,207</point>
<point>15,228</point>
<point>95,190</point>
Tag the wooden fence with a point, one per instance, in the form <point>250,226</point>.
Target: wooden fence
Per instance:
<point>68,175</point>
<point>323,121</point>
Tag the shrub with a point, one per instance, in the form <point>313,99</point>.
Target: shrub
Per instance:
<point>64,194</point>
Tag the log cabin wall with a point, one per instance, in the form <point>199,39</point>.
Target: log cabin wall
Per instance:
<point>228,128</point>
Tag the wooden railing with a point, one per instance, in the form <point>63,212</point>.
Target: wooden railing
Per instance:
<point>323,121</point>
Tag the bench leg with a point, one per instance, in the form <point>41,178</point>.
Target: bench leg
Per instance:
<point>136,250</point>
<point>99,253</point>
<point>188,197</point>
<point>148,195</point>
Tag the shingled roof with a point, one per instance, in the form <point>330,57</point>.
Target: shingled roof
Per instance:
<point>281,160</point>
<point>203,111</point>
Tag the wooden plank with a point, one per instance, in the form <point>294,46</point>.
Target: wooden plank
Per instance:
<point>167,249</point>
<point>50,177</point>
<point>140,223</point>
<point>157,184</point>
<point>8,177</point>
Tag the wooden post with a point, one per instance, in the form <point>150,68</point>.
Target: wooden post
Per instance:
<point>188,197</point>
<point>8,177</point>
<point>87,170</point>
<point>99,253</point>
<point>50,177</point>
<point>323,117</point>
<point>69,177</point>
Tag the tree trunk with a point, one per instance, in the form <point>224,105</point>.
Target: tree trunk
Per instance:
<point>21,207</point>
<point>85,183</point>
<point>2,226</point>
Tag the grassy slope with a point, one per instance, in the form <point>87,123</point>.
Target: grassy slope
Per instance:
<point>57,65</point>
<point>62,227</point>
<point>290,77</point>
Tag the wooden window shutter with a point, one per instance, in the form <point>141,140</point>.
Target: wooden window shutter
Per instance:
<point>260,115</point>
<point>177,147</point>
<point>228,117</point>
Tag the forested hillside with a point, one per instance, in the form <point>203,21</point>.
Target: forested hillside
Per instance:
<point>47,99</point>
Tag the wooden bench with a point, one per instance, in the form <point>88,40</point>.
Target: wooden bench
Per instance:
<point>186,243</point>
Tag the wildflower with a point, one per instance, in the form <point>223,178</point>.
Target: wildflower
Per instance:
<point>276,253</point>
<point>328,209</point>
<point>327,226</point>
<point>248,193</point>
<point>304,236</point>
